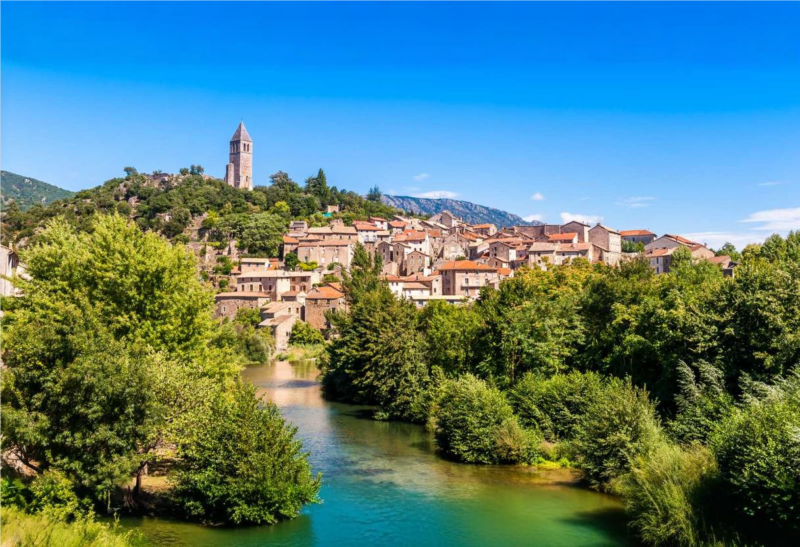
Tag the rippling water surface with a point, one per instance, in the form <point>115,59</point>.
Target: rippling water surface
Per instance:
<point>384,485</point>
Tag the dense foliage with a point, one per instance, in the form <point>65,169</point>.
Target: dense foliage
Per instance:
<point>475,424</point>
<point>112,358</point>
<point>229,458</point>
<point>664,388</point>
<point>181,205</point>
<point>24,192</point>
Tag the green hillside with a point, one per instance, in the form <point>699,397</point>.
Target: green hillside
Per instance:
<point>27,192</point>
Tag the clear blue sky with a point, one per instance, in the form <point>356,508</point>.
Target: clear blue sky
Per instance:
<point>679,117</point>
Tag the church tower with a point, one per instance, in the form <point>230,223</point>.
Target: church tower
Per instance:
<point>239,172</point>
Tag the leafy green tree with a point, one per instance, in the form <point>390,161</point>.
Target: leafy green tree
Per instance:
<point>632,247</point>
<point>449,333</point>
<point>473,422</point>
<point>619,425</point>
<point>304,334</point>
<point>555,406</point>
<point>244,465</point>
<point>290,261</point>
<point>729,250</point>
<point>364,274</point>
<point>758,450</point>
<point>374,194</point>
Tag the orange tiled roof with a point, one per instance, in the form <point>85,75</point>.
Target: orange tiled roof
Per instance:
<point>287,239</point>
<point>625,233</point>
<point>465,266</point>
<point>569,236</point>
<point>324,293</point>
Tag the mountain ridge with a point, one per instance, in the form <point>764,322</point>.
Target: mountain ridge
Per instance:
<point>468,211</point>
<point>28,191</point>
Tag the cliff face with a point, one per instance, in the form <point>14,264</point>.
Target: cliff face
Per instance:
<point>469,212</point>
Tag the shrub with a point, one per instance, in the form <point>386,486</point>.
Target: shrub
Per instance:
<point>758,450</point>
<point>666,492</point>
<point>472,419</point>
<point>555,405</point>
<point>515,444</point>
<point>304,334</point>
<point>244,466</point>
<point>619,425</point>
<point>43,530</point>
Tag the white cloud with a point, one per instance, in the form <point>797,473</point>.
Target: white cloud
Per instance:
<point>636,202</point>
<point>770,183</point>
<point>715,240</point>
<point>436,194</point>
<point>537,197</point>
<point>775,220</point>
<point>421,177</point>
<point>531,218</point>
<point>587,219</point>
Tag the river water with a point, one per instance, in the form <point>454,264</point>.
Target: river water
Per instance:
<point>383,484</point>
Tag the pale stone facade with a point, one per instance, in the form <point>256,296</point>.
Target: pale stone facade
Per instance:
<point>239,171</point>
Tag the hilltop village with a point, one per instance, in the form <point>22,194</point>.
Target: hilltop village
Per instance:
<point>438,258</point>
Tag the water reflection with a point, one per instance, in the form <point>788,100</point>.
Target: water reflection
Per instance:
<point>385,485</point>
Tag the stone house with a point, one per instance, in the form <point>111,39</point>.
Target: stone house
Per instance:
<point>321,300</point>
<point>580,228</point>
<point>336,251</point>
<point>565,237</point>
<point>10,266</point>
<point>466,278</point>
<point>276,282</point>
<point>486,230</point>
<point>609,240</point>
<point>416,262</point>
<point>227,304</point>
<point>637,236</point>
<point>279,317</point>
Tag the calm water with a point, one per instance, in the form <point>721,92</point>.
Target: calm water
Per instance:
<point>384,485</point>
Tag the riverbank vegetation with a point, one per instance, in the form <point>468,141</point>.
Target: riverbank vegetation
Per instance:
<point>677,391</point>
<point>115,365</point>
<point>21,529</point>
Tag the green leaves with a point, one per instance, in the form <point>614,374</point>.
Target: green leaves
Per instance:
<point>244,465</point>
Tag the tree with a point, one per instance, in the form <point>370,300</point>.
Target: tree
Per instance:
<point>619,425</point>
<point>758,451</point>
<point>244,465</point>
<point>472,417</point>
<point>304,334</point>
<point>729,250</point>
<point>130,171</point>
<point>290,261</point>
<point>196,170</point>
<point>632,247</point>
<point>374,194</point>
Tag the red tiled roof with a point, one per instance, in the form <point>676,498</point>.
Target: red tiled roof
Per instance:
<point>681,239</point>
<point>324,293</point>
<point>465,266</point>
<point>625,233</point>
<point>504,271</point>
<point>723,259</point>
<point>569,236</point>
<point>482,225</point>
<point>287,239</point>
<point>397,224</point>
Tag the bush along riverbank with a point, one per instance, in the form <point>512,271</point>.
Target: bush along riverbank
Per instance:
<point>114,366</point>
<point>678,392</point>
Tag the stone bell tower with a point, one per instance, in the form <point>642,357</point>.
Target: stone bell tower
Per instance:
<point>239,172</point>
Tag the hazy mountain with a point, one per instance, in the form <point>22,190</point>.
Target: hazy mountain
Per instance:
<point>469,212</point>
<point>26,191</point>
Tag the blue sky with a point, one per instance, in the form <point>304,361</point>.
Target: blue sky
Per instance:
<point>680,118</point>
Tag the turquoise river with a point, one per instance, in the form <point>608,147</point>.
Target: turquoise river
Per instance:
<point>383,484</point>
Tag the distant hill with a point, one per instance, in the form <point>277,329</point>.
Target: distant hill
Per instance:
<point>469,212</point>
<point>26,191</point>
